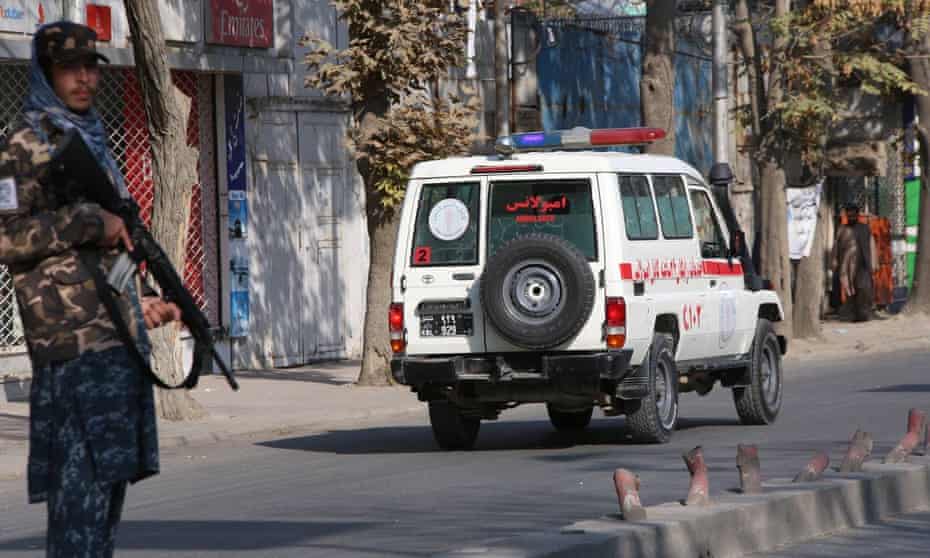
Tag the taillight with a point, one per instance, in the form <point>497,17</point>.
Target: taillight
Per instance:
<point>396,327</point>
<point>616,323</point>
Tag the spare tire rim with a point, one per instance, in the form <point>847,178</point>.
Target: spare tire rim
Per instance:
<point>533,290</point>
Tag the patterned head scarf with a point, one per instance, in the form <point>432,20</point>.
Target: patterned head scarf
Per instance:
<point>43,101</point>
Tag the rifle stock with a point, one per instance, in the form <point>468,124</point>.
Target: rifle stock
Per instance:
<point>78,176</point>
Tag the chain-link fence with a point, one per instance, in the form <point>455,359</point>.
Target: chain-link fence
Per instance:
<point>891,204</point>
<point>11,105</point>
<point>120,106</point>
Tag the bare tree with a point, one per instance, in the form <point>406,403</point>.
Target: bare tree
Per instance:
<point>657,86</point>
<point>771,212</point>
<point>775,261</point>
<point>809,292</point>
<point>174,170</point>
<point>397,54</point>
<point>820,49</point>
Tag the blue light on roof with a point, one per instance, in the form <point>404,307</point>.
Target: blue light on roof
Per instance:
<point>536,139</point>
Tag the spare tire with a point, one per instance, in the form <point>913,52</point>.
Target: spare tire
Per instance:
<point>537,291</point>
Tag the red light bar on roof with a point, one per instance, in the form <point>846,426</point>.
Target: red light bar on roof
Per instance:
<point>491,169</point>
<point>626,136</point>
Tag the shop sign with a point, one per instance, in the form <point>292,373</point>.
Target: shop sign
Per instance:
<point>248,23</point>
<point>23,16</point>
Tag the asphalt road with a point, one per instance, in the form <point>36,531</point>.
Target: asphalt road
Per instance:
<point>383,489</point>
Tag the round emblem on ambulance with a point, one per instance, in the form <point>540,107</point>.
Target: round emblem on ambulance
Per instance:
<point>727,315</point>
<point>448,220</point>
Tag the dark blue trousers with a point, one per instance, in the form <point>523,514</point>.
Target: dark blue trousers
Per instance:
<point>83,512</point>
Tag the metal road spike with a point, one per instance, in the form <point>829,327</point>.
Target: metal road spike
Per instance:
<point>750,473</point>
<point>699,491</point>
<point>916,424</point>
<point>627,486</point>
<point>860,448</point>
<point>814,468</point>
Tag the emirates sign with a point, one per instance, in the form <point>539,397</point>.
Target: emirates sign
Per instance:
<point>248,23</point>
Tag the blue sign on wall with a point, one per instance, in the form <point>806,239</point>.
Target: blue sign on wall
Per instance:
<point>238,205</point>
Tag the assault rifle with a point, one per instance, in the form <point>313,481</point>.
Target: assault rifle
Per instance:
<point>77,176</point>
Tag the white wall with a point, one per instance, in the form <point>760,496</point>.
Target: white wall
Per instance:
<point>277,102</point>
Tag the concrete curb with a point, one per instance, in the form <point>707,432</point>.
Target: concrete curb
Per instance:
<point>735,525</point>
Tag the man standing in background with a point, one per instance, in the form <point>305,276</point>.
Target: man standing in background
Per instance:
<point>853,261</point>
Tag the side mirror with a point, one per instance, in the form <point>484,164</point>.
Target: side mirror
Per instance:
<point>710,250</point>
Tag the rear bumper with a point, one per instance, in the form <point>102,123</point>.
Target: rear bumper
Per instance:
<point>576,373</point>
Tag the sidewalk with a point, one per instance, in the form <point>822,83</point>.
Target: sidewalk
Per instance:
<point>277,401</point>
<point>324,395</point>
<point>881,335</point>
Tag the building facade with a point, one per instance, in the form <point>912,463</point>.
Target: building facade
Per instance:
<point>277,243</point>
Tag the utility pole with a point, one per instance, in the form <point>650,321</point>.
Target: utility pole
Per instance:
<point>501,81</point>
<point>721,176</point>
<point>721,137</point>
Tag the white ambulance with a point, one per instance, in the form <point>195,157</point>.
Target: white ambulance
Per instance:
<point>556,274</point>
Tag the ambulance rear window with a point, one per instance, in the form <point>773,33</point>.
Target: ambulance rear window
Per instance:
<point>446,231</point>
<point>558,207</point>
<point>639,214</point>
<point>672,201</point>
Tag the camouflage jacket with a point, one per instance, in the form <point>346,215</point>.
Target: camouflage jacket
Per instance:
<point>39,241</point>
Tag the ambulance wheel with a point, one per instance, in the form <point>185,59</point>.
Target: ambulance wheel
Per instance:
<point>652,419</point>
<point>760,401</point>
<point>451,429</point>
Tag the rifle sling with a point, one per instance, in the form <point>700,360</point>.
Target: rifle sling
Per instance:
<point>91,259</point>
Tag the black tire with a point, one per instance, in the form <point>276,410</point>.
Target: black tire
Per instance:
<point>537,291</point>
<point>653,418</point>
<point>569,421</point>
<point>760,401</point>
<point>452,430</point>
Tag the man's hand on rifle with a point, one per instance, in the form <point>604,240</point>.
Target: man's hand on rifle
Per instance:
<point>114,231</point>
<point>157,312</point>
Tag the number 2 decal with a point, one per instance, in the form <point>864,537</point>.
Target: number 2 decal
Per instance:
<point>422,255</point>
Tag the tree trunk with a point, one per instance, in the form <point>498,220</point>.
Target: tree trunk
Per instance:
<point>775,261</point>
<point>920,73</point>
<point>657,87</point>
<point>809,290</point>
<point>174,172</point>
<point>747,46</point>
<point>752,61</point>
<point>376,359</point>
<point>382,232</point>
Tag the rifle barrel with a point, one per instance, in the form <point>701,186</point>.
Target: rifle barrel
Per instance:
<point>229,377</point>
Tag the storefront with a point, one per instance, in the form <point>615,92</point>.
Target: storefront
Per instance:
<point>268,147</point>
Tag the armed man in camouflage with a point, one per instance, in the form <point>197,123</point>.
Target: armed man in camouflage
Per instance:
<point>92,412</point>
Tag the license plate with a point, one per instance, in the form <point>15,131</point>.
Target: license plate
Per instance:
<point>446,325</point>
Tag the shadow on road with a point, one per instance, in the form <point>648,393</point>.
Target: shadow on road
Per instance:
<point>210,535</point>
<point>494,436</point>
<point>317,376</point>
<point>900,388</point>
